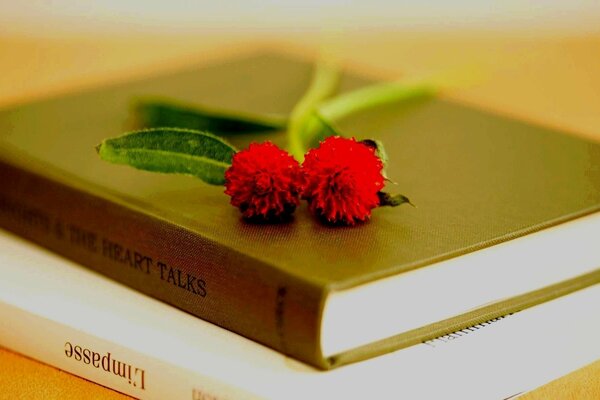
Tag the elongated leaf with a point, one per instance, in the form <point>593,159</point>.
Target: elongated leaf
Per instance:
<point>157,113</point>
<point>171,151</point>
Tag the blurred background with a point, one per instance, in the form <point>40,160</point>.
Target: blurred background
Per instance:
<point>540,59</point>
<point>58,17</point>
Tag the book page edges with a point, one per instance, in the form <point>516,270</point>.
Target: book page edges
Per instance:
<point>465,320</point>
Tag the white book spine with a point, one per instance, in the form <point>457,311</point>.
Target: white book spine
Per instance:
<point>108,364</point>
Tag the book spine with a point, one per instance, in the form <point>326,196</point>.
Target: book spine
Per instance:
<point>165,261</point>
<point>108,364</point>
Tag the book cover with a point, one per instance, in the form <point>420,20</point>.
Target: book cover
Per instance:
<point>477,179</point>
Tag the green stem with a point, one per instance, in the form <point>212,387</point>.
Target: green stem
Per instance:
<point>373,96</point>
<point>324,83</point>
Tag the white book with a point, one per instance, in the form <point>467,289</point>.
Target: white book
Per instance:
<point>67,316</point>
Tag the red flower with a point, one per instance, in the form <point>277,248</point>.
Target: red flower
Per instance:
<point>264,182</point>
<point>342,179</point>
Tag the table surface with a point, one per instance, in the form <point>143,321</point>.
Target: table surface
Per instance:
<point>549,80</point>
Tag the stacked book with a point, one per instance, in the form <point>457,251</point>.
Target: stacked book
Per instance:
<point>498,263</point>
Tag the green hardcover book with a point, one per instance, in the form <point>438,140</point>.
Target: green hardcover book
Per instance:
<point>506,216</point>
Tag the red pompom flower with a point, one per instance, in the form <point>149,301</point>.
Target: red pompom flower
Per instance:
<point>342,178</point>
<point>264,182</point>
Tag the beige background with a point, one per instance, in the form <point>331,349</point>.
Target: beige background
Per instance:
<point>276,16</point>
<point>551,79</point>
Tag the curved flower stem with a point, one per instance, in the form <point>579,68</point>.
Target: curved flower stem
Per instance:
<point>373,96</point>
<point>324,83</point>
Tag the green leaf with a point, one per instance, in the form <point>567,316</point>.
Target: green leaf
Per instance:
<point>157,113</point>
<point>379,152</point>
<point>392,200</point>
<point>171,151</point>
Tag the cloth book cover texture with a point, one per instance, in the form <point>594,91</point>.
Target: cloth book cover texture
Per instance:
<point>477,180</point>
